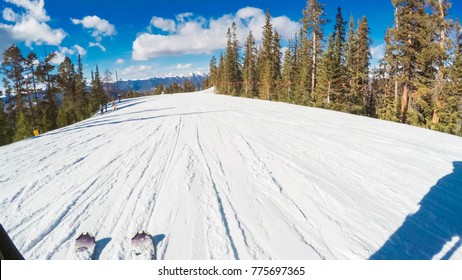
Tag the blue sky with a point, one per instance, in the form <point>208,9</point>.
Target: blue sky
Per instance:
<point>142,38</point>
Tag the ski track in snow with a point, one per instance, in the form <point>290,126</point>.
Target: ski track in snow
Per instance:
<point>219,177</point>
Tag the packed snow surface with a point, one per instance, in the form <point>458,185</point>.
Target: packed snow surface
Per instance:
<point>220,177</point>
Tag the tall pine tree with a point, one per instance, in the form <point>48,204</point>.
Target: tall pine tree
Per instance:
<point>232,71</point>
<point>450,110</point>
<point>288,75</point>
<point>265,59</point>
<point>80,92</point>
<point>66,83</point>
<point>249,72</point>
<point>407,39</point>
<point>314,18</point>
<point>339,78</point>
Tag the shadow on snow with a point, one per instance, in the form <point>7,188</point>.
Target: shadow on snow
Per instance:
<point>100,245</point>
<point>439,219</point>
<point>157,239</point>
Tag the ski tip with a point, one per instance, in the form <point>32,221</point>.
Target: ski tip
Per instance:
<point>85,235</point>
<point>141,233</point>
<point>85,246</point>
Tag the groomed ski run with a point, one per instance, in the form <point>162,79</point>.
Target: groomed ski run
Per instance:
<point>220,177</point>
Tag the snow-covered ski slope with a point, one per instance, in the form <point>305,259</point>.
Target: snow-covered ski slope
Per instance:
<point>219,177</point>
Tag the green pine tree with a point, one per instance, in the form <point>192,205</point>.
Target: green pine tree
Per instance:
<point>220,84</point>
<point>314,18</point>
<point>438,20</point>
<point>31,87</point>
<point>4,133</point>
<point>359,96</point>
<point>13,69</point>
<point>49,107</point>
<point>265,60</point>
<point>387,78</point>
<point>232,71</point>
<point>249,71</point>
<point>407,40</point>
<point>275,66</point>
<point>98,96</point>
<point>66,83</point>
<point>80,92</point>
<point>324,92</point>
<point>288,76</point>
<point>339,75</point>
<point>450,110</point>
<point>23,128</point>
<point>212,78</point>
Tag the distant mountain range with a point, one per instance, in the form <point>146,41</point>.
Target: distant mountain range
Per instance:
<point>166,80</point>
<point>141,85</point>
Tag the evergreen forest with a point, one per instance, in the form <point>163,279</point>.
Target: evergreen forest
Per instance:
<point>418,81</point>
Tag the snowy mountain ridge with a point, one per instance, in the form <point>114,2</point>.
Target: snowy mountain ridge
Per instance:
<point>164,79</point>
<point>221,177</point>
<point>181,76</point>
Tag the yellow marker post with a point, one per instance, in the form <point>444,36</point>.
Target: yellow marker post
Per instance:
<point>36,132</point>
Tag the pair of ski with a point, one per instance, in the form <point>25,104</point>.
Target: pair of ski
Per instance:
<point>142,246</point>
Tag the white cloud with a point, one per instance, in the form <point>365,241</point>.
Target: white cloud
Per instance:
<point>137,72</point>
<point>80,50</point>
<point>120,61</point>
<point>285,26</point>
<point>377,52</point>
<point>182,17</point>
<point>32,31</point>
<point>167,25</point>
<point>30,26</point>
<point>97,44</point>
<point>248,12</point>
<point>62,52</point>
<point>35,8</point>
<point>196,35</point>
<point>99,26</point>
<point>9,15</point>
